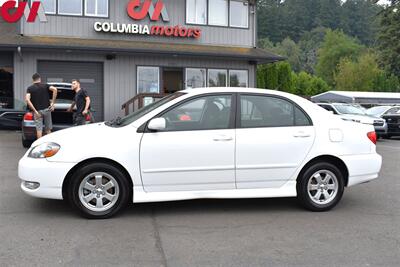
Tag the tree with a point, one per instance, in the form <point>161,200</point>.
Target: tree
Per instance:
<point>275,76</point>
<point>389,38</point>
<point>308,85</point>
<point>291,51</point>
<point>309,44</point>
<point>336,46</point>
<point>359,75</point>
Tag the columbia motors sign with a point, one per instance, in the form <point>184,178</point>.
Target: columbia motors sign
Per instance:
<point>155,11</point>
<point>14,11</point>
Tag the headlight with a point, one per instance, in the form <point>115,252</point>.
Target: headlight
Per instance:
<point>45,150</point>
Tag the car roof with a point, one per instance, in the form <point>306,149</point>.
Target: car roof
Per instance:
<point>205,90</point>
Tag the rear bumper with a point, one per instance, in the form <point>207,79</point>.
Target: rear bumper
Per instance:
<point>362,168</point>
<point>49,175</point>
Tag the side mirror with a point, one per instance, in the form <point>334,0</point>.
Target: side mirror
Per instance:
<point>157,124</point>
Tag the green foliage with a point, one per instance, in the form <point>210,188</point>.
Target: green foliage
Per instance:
<point>335,47</point>
<point>389,38</point>
<point>358,75</point>
<point>279,76</point>
<point>276,76</point>
<point>364,74</point>
<point>308,85</point>
<point>309,45</point>
<point>287,48</point>
<point>278,19</point>
<point>386,83</point>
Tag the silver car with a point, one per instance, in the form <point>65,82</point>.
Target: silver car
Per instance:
<point>349,112</point>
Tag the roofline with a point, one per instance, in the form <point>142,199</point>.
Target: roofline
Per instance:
<point>259,60</point>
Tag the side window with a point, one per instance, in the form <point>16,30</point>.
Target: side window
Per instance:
<point>300,118</point>
<point>204,113</point>
<point>266,111</point>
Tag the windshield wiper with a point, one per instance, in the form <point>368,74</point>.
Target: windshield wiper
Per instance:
<point>115,122</point>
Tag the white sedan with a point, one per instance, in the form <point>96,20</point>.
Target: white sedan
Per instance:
<point>204,143</point>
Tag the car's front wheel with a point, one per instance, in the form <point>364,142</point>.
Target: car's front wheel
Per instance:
<point>320,187</point>
<point>99,191</point>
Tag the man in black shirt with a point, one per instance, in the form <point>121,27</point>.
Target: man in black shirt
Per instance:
<point>38,100</point>
<point>82,102</point>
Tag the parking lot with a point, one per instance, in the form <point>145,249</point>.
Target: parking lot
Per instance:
<point>364,229</point>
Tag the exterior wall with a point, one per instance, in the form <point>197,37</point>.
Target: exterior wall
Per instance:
<point>119,74</point>
<point>83,27</point>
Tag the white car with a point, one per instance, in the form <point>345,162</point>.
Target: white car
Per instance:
<point>204,143</point>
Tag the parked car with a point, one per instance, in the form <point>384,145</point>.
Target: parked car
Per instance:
<point>350,112</point>
<point>62,119</point>
<point>204,143</point>
<point>391,114</point>
<point>11,115</point>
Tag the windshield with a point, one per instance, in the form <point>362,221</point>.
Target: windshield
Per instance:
<point>120,122</point>
<point>347,109</point>
<point>376,111</point>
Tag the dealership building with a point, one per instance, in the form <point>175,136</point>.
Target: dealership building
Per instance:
<point>126,49</point>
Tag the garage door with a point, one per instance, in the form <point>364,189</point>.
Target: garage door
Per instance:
<point>89,73</point>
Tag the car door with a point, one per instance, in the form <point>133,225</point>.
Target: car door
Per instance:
<point>273,138</point>
<point>196,150</point>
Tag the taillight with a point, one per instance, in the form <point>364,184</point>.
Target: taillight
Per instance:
<point>28,116</point>
<point>372,136</point>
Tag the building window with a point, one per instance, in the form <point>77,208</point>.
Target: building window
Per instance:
<point>239,14</point>
<point>238,78</point>
<point>218,12</point>
<point>196,11</point>
<point>148,80</point>
<point>70,7</point>
<point>96,8</point>
<point>217,78</point>
<point>50,6</point>
<point>195,78</point>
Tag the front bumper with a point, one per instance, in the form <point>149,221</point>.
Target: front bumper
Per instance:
<point>381,130</point>
<point>362,168</point>
<point>50,176</point>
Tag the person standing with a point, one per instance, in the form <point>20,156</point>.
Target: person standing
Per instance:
<point>82,103</point>
<point>38,100</point>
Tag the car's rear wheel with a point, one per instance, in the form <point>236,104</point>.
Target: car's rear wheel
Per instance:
<point>26,143</point>
<point>99,191</point>
<point>320,187</point>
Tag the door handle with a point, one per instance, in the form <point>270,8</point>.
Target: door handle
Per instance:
<point>223,138</point>
<point>301,135</point>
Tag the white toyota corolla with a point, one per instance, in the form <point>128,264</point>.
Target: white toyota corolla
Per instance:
<point>204,143</point>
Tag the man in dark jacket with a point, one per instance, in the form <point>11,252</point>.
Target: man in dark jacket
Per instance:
<point>38,100</point>
<point>82,103</point>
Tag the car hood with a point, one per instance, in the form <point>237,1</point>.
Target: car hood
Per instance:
<point>93,140</point>
<point>91,133</point>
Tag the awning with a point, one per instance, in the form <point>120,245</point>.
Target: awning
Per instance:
<point>256,55</point>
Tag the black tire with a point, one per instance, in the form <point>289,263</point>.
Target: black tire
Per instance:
<point>387,136</point>
<point>26,143</point>
<point>303,194</point>
<point>121,201</point>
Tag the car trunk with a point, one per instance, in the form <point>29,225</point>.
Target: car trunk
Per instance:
<point>60,116</point>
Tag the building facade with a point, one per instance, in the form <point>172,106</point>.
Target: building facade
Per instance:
<point>119,49</point>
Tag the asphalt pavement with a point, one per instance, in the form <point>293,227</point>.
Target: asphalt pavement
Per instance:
<point>363,230</point>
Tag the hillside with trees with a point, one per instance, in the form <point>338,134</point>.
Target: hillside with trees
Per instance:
<point>351,45</point>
